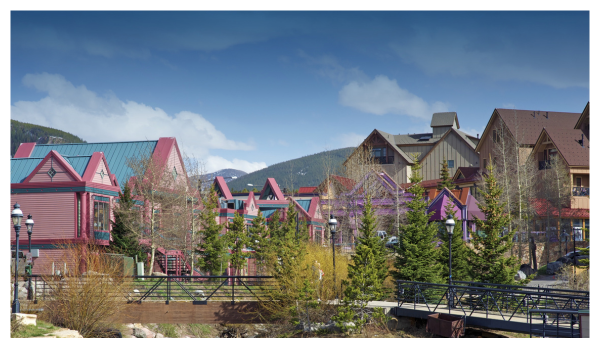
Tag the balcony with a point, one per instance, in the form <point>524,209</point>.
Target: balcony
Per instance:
<point>543,165</point>
<point>581,191</point>
<point>384,159</point>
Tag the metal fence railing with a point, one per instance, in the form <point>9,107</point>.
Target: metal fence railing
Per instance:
<point>503,302</point>
<point>555,323</point>
<point>197,289</point>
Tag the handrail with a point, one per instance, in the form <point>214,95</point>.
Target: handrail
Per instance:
<point>561,331</point>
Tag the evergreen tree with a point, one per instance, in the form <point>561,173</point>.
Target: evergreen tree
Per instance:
<point>417,256</point>
<point>445,175</point>
<point>260,241</point>
<point>366,272</point>
<point>460,252</point>
<point>124,240</point>
<point>237,237</point>
<point>487,259</point>
<point>212,250</point>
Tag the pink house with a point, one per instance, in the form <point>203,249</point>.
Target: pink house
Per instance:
<point>70,190</point>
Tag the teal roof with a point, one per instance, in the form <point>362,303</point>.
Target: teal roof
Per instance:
<point>267,213</point>
<point>20,168</point>
<point>116,153</point>
<point>305,204</point>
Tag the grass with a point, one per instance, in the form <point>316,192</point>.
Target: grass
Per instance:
<point>168,330</point>
<point>41,329</point>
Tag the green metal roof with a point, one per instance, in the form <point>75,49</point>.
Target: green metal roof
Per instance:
<point>20,168</point>
<point>305,204</point>
<point>116,153</point>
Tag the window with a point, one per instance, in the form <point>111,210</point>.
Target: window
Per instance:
<point>450,163</point>
<point>379,152</point>
<point>497,135</point>
<point>318,235</point>
<point>578,180</point>
<point>101,216</point>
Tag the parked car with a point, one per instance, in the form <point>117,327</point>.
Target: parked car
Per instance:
<point>381,234</point>
<point>393,241</point>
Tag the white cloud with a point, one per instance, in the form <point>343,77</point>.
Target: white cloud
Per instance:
<point>329,67</point>
<point>82,112</point>
<point>383,96</point>
<point>350,139</point>
<point>214,163</point>
<point>461,53</point>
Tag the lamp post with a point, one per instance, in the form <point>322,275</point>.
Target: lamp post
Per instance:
<point>16,216</point>
<point>450,228</point>
<point>564,238</point>
<point>29,225</point>
<point>332,229</point>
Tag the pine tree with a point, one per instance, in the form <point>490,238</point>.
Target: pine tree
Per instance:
<point>124,240</point>
<point>487,259</point>
<point>238,238</point>
<point>212,250</point>
<point>366,272</point>
<point>260,241</point>
<point>445,175</point>
<point>417,256</point>
<point>460,252</point>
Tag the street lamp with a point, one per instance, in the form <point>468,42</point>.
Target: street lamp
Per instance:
<point>564,238</point>
<point>450,228</point>
<point>29,224</point>
<point>332,229</point>
<point>16,216</point>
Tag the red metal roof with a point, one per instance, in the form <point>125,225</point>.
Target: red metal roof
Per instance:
<point>306,190</point>
<point>542,208</point>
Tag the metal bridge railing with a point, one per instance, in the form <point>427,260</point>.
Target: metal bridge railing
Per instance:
<point>197,289</point>
<point>488,300</point>
<point>569,327</point>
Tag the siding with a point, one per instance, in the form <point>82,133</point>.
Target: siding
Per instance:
<point>175,162</point>
<point>439,131</point>
<point>61,174</point>
<point>420,150</point>
<point>398,170</point>
<point>98,178</point>
<point>43,264</point>
<point>452,148</point>
<point>53,213</point>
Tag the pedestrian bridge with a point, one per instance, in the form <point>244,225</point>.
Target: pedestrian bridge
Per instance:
<point>540,311</point>
<point>235,299</point>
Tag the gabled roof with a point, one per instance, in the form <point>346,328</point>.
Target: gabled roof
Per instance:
<point>444,120</point>
<point>585,115</point>
<point>116,153</point>
<point>425,184</point>
<point>529,123</point>
<point>384,180</point>
<point>467,173</point>
<point>416,139</point>
<point>55,156</point>
<point>221,186</point>
<point>567,142</point>
<point>390,139</point>
<point>271,186</point>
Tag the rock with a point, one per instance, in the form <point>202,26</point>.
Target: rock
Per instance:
<point>25,318</point>
<point>140,332</point>
<point>520,275</point>
<point>66,333</point>
<point>565,260</point>
<point>553,268</point>
<point>527,270</point>
<point>159,335</point>
<point>156,273</point>
<point>579,258</point>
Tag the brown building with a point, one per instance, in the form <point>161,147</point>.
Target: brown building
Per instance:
<point>446,141</point>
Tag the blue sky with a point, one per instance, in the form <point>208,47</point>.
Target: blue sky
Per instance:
<point>249,89</point>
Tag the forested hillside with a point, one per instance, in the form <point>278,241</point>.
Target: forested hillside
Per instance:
<point>301,172</point>
<point>25,132</point>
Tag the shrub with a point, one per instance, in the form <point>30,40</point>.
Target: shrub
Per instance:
<point>89,302</point>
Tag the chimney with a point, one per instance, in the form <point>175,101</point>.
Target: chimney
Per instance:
<point>477,135</point>
<point>582,141</point>
<point>546,115</point>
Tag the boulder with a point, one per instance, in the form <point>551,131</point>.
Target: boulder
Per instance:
<point>66,333</point>
<point>527,270</point>
<point>565,260</point>
<point>553,268</point>
<point>141,332</point>
<point>579,258</point>
<point>159,335</point>
<point>156,273</point>
<point>25,318</point>
<point>520,275</point>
